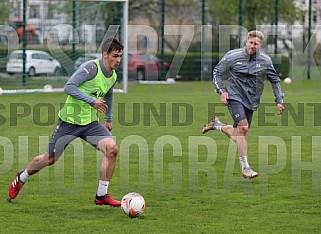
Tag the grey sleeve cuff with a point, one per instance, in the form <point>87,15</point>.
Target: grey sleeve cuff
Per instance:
<point>279,100</point>
<point>220,91</point>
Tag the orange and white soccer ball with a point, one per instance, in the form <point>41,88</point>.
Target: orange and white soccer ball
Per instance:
<point>133,204</point>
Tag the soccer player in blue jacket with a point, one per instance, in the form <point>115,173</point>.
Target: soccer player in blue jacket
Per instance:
<point>247,69</point>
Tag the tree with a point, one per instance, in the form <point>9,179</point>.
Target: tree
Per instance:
<point>180,12</point>
<point>5,7</point>
<point>255,12</point>
<point>177,12</point>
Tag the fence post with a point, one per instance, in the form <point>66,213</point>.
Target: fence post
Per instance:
<point>24,42</point>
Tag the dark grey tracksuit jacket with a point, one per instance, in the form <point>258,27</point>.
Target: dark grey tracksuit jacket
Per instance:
<point>246,75</point>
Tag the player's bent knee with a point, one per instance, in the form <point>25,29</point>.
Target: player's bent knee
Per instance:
<point>112,148</point>
<point>108,146</point>
<point>44,159</point>
<point>243,129</point>
<point>52,160</point>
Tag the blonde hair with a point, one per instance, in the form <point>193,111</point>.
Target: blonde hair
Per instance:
<point>257,34</point>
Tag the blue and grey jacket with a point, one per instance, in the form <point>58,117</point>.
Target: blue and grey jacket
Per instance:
<point>246,75</point>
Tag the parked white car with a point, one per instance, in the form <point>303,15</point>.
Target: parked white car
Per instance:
<point>37,62</point>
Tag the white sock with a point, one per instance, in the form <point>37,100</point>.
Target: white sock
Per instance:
<point>218,128</point>
<point>244,163</point>
<point>102,187</point>
<point>24,176</point>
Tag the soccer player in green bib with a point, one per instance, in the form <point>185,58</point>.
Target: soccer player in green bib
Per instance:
<point>89,89</point>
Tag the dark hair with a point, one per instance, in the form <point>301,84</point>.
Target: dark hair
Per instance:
<point>111,44</point>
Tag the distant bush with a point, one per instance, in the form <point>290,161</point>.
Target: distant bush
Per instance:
<point>192,68</point>
<point>283,68</point>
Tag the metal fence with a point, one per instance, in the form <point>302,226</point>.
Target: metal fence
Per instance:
<point>181,41</point>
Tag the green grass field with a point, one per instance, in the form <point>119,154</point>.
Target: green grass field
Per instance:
<point>191,182</point>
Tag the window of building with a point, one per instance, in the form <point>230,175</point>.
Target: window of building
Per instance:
<point>15,10</point>
<point>51,10</point>
<point>314,17</point>
<point>34,12</point>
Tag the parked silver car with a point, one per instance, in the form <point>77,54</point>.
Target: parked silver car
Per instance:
<point>37,62</point>
<point>86,57</point>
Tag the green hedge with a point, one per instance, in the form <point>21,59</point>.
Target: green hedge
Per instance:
<point>187,67</point>
<point>283,67</point>
<point>190,70</point>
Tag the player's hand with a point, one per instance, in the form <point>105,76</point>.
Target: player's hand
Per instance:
<point>109,126</point>
<point>280,108</point>
<point>224,97</point>
<point>100,105</point>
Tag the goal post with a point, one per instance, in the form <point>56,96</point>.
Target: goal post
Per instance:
<point>125,54</point>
